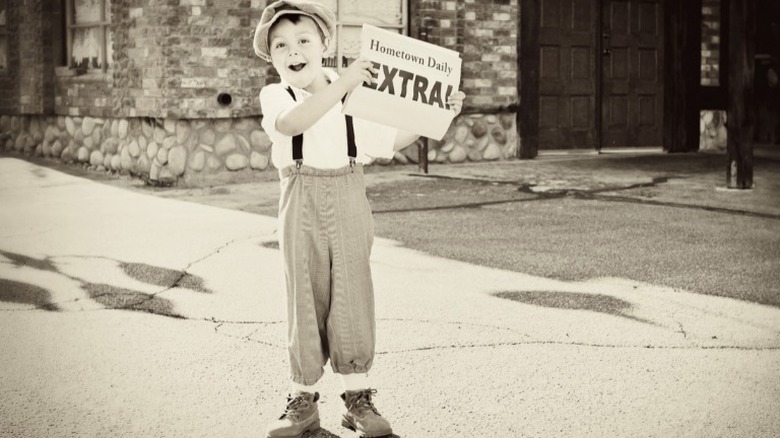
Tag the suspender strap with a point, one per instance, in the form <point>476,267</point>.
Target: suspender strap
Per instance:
<point>297,140</point>
<point>351,147</point>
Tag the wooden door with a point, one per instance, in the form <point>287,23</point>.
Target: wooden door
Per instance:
<point>632,73</point>
<point>568,31</point>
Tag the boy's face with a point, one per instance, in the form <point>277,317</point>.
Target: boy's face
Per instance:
<point>296,51</point>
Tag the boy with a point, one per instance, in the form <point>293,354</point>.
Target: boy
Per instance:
<point>325,222</point>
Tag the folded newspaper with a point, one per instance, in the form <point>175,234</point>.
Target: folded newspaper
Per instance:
<point>413,81</point>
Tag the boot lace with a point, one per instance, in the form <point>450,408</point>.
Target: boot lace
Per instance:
<point>361,402</point>
<point>295,405</point>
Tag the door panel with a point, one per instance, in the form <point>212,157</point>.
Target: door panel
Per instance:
<point>632,87</point>
<point>628,88</point>
<point>567,74</point>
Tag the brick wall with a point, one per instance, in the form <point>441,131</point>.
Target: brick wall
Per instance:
<point>209,52</point>
<point>9,80</point>
<point>84,95</point>
<point>180,56</point>
<point>485,33</point>
<point>173,59</point>
<point>30,57</point>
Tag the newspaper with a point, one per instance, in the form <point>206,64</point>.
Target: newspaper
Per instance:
<point>413,81</point>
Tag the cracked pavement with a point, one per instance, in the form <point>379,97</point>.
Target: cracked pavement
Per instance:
<point>136,315</point>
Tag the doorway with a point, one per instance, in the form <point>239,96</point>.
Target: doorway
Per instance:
<point>594,74</point>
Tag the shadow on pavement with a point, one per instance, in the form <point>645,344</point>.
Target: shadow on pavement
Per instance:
<point>324,433</point>
<point>23,260</point>
<point>109,296</point>
<point>574,301</point>
<point>164,277</point>
<point>23,293</point>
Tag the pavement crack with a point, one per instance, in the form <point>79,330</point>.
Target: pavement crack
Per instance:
<point>526,188</point>
<point>247,337</point>
<point>184,273</point>
<point>471,204</point>
<point>599,194</point>
<point>682,330</point>
<point>579,344</point>
<point>650,202</point>
<point>456,323</point>
<point>113,296</point>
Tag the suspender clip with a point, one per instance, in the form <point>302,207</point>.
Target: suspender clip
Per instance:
<point>352,163</point>
<point>298,163</point>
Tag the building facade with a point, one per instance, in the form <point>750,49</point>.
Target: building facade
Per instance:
<point>168,89</point>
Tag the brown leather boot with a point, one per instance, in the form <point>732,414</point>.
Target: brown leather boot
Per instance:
<point>301,415</point>
<point>362,416</point>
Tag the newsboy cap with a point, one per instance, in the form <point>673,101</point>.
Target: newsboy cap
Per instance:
<point>321,15</point>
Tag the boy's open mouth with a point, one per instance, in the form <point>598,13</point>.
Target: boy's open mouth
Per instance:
<point>297,67</point>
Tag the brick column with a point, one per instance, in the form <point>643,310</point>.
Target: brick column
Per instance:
<point>30,57</point>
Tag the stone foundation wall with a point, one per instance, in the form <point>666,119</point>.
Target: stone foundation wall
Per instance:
<point>197,151</point>
<point>477,138</point>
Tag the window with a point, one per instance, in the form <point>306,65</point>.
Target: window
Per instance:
<point>89,35</point>
<point>350,16</point>
<point>3,36</point>
<point>711,43</point>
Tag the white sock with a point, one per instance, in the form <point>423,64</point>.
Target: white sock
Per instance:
<point>297,387</point>
<point>353,382</point>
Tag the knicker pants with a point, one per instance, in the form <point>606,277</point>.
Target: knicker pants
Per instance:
<point>325,232</point>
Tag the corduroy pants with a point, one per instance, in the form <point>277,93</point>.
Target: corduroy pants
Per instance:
<point>326,231</point>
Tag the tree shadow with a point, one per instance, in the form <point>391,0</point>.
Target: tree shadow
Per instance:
<point>574,301</point>
<point>107,295</point>
<point>163,277</point>
<point>112,297</point>
<point>22,260</point>
<point>24,293</point>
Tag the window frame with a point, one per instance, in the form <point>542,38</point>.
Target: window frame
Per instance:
<point>715,96</point>
<point>5,35</point>
<point>403,27</point>
<point>71,27</point>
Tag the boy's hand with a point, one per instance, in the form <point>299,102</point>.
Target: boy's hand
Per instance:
<point>455,101</point>
<point>361,70</point>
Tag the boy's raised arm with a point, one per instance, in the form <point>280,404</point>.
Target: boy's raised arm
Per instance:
<point>302,116</point>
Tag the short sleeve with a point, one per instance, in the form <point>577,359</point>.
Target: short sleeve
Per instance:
<point>274,100</point>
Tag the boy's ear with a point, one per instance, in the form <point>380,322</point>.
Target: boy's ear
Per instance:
<point>326,46</point>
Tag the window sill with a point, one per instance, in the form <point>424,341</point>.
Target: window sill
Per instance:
<point>81,75</point>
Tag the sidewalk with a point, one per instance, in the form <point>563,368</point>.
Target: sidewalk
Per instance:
<point>696,180</point>
<point>126,314</point>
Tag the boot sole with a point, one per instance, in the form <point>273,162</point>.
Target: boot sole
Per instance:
<point>313,427</point>
<point>346,423</point>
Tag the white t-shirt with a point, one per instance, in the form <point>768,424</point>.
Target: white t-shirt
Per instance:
<point>325,142</point>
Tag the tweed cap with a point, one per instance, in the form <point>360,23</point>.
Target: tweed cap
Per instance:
<point>321,15</point>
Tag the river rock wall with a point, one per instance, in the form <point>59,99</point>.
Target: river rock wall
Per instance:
<point>195,152</point>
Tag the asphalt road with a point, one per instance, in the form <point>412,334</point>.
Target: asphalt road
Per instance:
<point>658,218</point>
<point>577,238</point>
<point>131,315</point>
